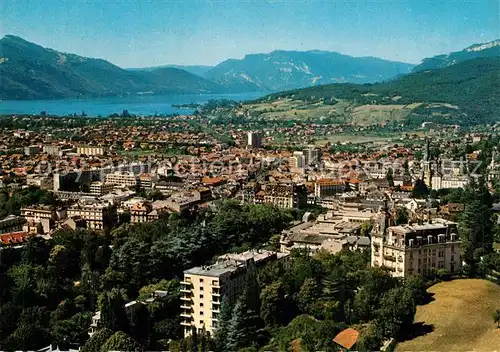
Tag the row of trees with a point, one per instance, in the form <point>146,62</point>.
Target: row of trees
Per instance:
<point>51,289</point>
<point>12,201</point>
<point>307,304</point>
<point>477,230</point>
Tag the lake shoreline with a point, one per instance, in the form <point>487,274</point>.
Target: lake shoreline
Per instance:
<point>144,105</point>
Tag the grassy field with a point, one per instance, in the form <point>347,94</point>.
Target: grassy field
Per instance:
<point>460,316</point>
<point>344,110</point>
<point>366,115</point>
<point>297,109</point>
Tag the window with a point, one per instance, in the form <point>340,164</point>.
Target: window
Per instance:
<point>201,280</point>
<point>201,296</point>
<point>201,304</point>
<point>201,312</point>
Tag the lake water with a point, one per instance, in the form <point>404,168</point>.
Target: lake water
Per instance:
<point>138,105</point>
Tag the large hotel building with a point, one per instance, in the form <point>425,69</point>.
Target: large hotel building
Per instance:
<point>417,249</point>
<point>205,287</point>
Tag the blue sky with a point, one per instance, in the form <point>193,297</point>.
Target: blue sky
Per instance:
<point>147,32</point>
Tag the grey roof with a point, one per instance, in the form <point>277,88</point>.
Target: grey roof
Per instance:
<point>363,241</point>
<point>215,270</point>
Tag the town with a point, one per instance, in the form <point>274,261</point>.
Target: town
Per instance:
<point>249,176</point>
<point>396,204</point>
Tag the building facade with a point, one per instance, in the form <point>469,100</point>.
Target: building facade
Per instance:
<point>328,187</point>
<point>254,139</point>
<point>204,288</point>
<point>122,178</point>
<point>312,156</point>
<point>52,149</point>
<point>32,150</point>
<point>97,216</point>
<point>417,249</point>
<point>11,223</point>
<point>90,150</point>
<point>100,188</point>
<point>283,195</point>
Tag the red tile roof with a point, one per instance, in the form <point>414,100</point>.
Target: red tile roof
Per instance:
<point>329,182</point>
<point>347,338</point>
<point>212,180</point>
<point>14,238</point>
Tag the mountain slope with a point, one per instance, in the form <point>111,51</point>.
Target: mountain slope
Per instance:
<point>464,93</point>
<point>29,71</point>
<point>475,51</point>
<point>199,70</point>
<point>281,70</point>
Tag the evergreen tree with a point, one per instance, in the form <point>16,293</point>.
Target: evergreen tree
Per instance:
<point>401,216</point>
<point>476,225</point>
<point>193,340</point>
<point>223,325</point>
<point>420,189</point>
<point>183,347</point>
<point>113,315</point>
<point>390,177</point>
<point>239,334</point>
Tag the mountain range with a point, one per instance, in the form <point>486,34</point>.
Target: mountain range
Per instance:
<point>281,70</point>
<point>491,49</point>
<point>465,93</point>
<point>30,71</point>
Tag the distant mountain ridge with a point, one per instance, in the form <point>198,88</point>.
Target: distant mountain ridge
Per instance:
<point>490,49</point>
<point>199,70</point>
<point>282,70</point>
<point>29,71</point>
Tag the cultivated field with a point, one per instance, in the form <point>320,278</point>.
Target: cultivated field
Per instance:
<point>461,316</point>
<point>297,109</point>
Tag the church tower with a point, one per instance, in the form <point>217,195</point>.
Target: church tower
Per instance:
<point>427,172</point>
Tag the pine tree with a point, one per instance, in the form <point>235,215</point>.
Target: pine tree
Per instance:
<point>238,332</point>
<point>222,327</point>
<point>193,340</point>
<point>476,225</point>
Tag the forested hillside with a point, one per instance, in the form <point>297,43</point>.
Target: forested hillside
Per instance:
<point>472,88</point>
